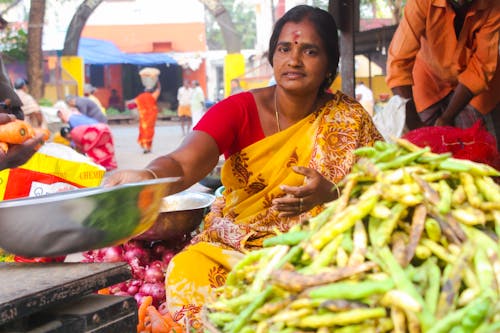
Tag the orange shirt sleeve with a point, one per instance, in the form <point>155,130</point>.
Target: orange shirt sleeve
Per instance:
<point>483,63</point>
<point>405,44</point>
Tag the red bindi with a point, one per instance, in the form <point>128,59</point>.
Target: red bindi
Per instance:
<point>296,35</point>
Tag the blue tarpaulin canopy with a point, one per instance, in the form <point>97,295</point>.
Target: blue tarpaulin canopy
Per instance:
<point>102,52</point>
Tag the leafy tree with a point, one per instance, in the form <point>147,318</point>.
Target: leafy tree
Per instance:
<point>243,17</point>
<point>14,44</point>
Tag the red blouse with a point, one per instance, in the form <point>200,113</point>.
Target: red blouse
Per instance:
<point>234,123</point>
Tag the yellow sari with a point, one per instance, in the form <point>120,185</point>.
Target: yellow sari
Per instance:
<point>241,219</point>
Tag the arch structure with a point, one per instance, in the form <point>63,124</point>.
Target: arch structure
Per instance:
<point>87,7</point>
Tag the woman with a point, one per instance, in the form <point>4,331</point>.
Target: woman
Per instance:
<point>148,112</point>
<point>285,146</point>
<point>89,137</point>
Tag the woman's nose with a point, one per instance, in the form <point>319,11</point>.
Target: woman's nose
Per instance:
<point>295,57</point>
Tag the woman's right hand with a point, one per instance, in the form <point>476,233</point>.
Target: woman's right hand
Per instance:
<point>127,176</point>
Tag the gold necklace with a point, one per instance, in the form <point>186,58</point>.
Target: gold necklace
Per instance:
<point>276,113</point>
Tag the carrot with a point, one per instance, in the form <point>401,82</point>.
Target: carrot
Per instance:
<point>158,323</point>
<point>46,133</point>
<point>142,312</point>
<point>4,147</point>
<point>15,132</point>
<point>173,324</point>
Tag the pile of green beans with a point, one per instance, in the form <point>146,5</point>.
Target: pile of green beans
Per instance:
<point>411,245</point>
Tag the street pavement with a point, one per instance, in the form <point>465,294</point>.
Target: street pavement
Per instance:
<point>129,155</point>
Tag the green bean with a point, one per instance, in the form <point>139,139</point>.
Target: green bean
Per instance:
<point>445,193</point>
<point>445,324</point>
<point>351,290</point>
<point>431,295</point>
<point>346,219</point>
<point>432,229</point>
<point>287,238</point>
<point>402,282</point>
<point>365,151</point>
<point>221,318</point>
<point>387,226</point>
<point>325,257</point>
<point>341,318</point>
<point>243,317</point>
<point>433,158</point>
<point>402,160</point>
<point>249,258</point>
<point>474,168</point>
<point>386,155</point>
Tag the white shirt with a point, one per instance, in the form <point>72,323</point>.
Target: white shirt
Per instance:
<point>365,97</point>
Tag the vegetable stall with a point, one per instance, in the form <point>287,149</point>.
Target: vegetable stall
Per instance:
<point>411,245</point>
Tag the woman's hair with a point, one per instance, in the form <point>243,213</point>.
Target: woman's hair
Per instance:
<point>325,27</point>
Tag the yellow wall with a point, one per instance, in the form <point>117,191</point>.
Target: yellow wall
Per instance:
<point>74,66</point>
<point>71,80</point>
<point>234,66</point>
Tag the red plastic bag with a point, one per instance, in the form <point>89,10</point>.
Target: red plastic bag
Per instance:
<point>474,143</point>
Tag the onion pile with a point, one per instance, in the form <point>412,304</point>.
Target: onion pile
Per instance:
<point>148,262</point>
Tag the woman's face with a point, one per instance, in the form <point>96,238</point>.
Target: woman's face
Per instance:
<point>300,61</point>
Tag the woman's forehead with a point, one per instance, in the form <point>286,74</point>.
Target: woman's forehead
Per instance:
<point>299,32</point>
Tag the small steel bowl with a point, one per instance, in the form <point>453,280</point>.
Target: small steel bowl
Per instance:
<point>80,220</point>
<point>180,214</point>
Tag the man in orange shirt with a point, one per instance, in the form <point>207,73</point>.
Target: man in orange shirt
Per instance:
<point>444,58</point>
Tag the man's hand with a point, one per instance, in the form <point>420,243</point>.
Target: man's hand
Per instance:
<point>18,154</point>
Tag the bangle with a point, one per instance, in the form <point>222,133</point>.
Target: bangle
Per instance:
<point>155,176</point>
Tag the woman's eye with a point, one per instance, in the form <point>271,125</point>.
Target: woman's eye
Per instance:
<point>310,52</point>
<point>283,49</point>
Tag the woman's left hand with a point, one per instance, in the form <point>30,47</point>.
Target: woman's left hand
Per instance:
<point>299,199</point>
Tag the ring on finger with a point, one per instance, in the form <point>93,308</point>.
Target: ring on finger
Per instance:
<point>300,204</point>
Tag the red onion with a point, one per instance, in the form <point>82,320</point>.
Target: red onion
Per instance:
<point>158,249</point>
<point>136,252</point>
<point>121,293</point>
<point>163,308</point>
<point>132,290</point>
<point>137,270</point>
<point>134,243</point>
<point>158,293</point>
<point>154,274</point>
<point>113,254</point>
<point>139,297</point>
<point>167,256</point>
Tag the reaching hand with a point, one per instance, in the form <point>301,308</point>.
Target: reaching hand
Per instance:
<point>18,154</point>
<point>299,199</point>
<point>126,176</point>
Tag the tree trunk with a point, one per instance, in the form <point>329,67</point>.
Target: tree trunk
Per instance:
<point>76,26</point>
<point>35,53</point>
<point>232,39</point>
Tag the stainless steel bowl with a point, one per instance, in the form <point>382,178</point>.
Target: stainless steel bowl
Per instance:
<point>74,221</point>
<point>180,214</point>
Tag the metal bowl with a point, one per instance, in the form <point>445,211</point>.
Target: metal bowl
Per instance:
<point>85,219</point>
<point>180,214</point>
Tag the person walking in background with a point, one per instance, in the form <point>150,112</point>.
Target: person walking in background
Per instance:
<point>32,112</point>
<point>88,91</point>
<point>444,58</point>
<point>364,96</point>
<point>115,101</point>
<point>235,87</point>
<point>147,107</point>
<point>88,137</point>
<point>197,102</point>
<point>184,108</point>
<point>87,107</point>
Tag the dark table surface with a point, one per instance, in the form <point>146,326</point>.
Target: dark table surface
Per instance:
<point>27,288</point>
